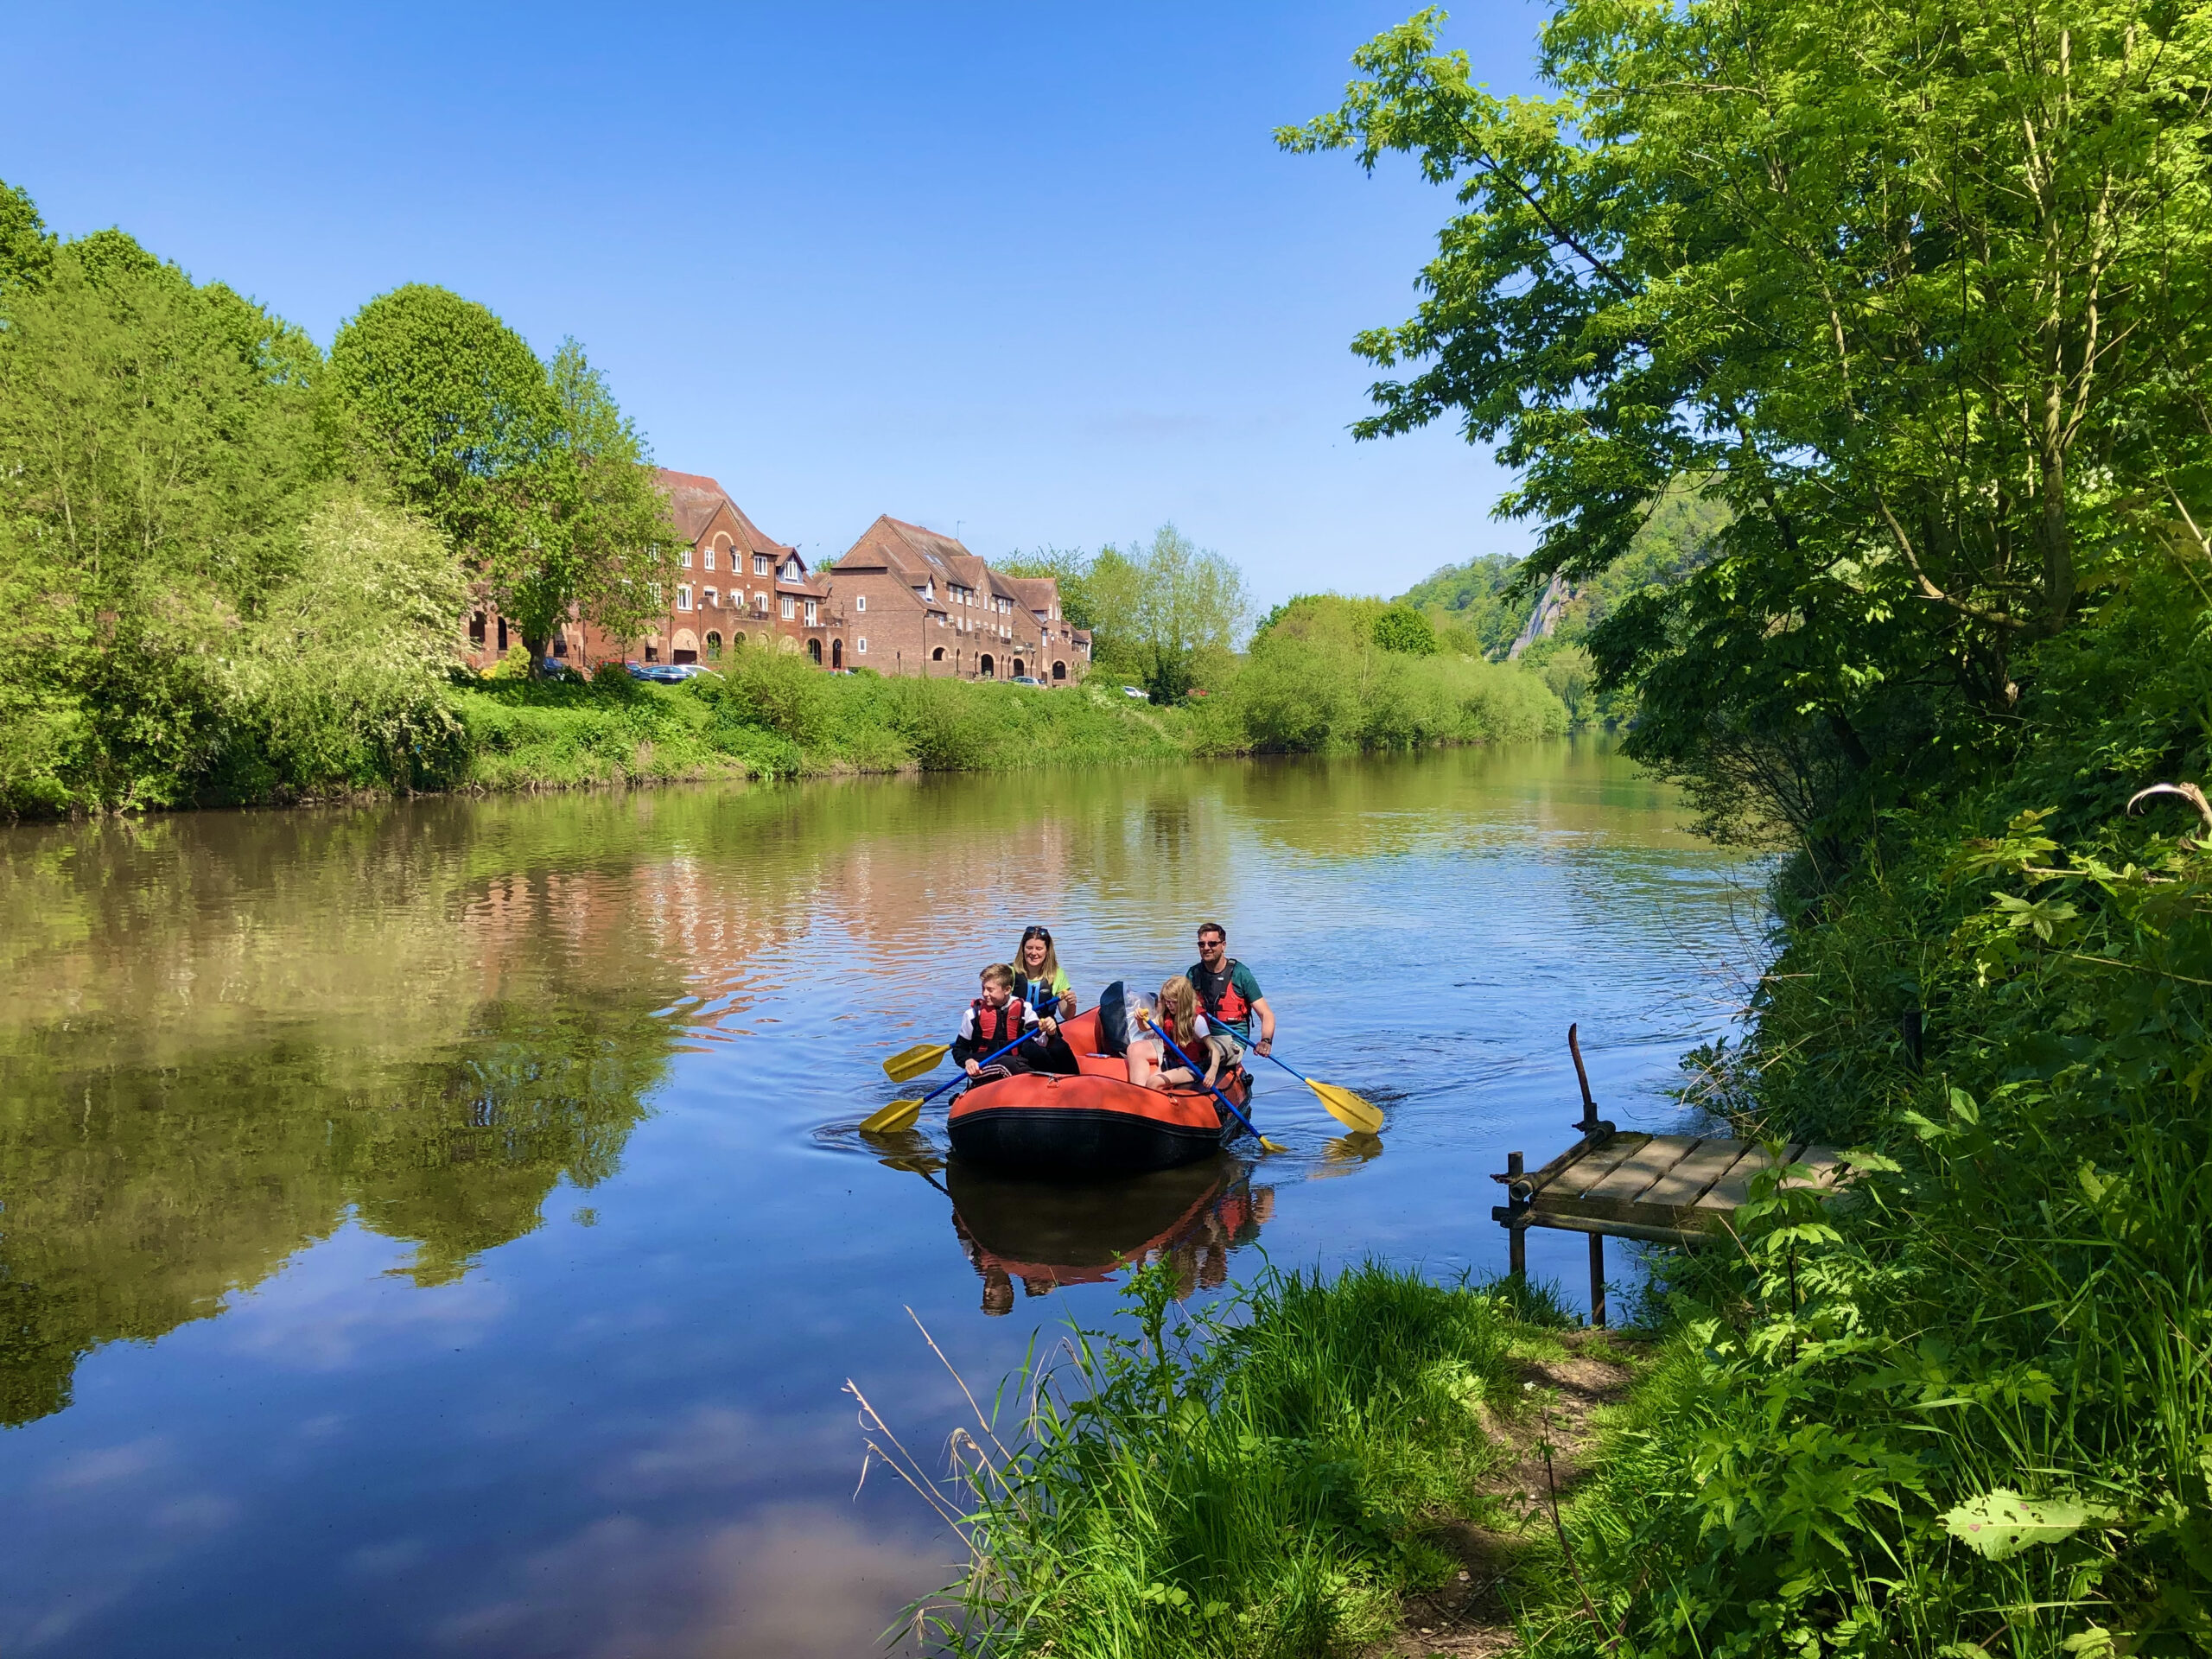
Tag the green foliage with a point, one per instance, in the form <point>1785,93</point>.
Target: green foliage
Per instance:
<point>176,560</point>
<point>1971,1406</point>
<point>1160,611</point>
<point>1913,292</point>
<point>1256,1477</point>
<point>1316,680</point>
<point>1402,628</point>
<point>536,476</point>
<point>26,246</point>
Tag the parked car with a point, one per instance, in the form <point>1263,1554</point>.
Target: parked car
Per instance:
<point>667,673</point>
<point>1138,692</point>
<point>554,668</point>
<point>1025,679</point>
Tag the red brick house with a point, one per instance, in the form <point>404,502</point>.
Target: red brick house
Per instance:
<point>732,584</point>
<point>918,602</point>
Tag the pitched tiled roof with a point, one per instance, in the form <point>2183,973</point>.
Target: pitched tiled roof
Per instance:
<point>1037,594</point>
<point>693,500</point>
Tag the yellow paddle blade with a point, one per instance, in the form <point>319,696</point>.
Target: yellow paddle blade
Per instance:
<point>1267,1145</point>
<point>1347,1107</point>
<point>910,1063</point>
<point>889,1120</point>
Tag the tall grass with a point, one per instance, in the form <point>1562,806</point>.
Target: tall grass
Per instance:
<point>1260,1477</point>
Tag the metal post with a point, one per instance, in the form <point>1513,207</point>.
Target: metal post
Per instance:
<point>1597,1279</point>
<point>1516,1238</point>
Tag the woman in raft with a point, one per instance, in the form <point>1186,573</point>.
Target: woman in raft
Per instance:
<point>1152,1064</point>
<point>1039,981</point>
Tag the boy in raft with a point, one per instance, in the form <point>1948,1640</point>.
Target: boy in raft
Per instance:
<point>993,1020</point>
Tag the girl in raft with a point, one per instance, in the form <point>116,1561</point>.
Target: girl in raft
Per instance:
<point>1039,982</point>
<point>1152,1066</point>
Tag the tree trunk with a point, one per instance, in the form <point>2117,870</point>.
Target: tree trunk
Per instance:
<point>536,647</point>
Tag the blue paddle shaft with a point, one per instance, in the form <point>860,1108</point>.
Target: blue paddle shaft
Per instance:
<point>1197,1072</point>
<point>962,1078</point>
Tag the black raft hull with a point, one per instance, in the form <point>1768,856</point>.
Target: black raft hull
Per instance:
<point>1088,1125</point>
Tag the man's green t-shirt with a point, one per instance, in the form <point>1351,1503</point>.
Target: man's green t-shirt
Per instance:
<point>1240,980</point>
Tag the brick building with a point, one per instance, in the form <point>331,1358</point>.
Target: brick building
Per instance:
<point>732,584</point>
<point>918,602</point>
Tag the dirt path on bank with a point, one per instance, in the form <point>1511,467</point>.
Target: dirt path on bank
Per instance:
<point>1472,1617</point>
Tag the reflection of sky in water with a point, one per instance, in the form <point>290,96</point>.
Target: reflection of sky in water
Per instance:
<point>511,1140</point>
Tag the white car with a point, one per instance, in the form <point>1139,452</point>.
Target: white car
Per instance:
<point>1138,692</point>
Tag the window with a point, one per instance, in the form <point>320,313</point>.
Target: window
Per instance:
<point>811,618</point>
<point>684,593</point>
<point>710,599</point>
<point>476,629</point>
<point>687,558</point>
<point>760,603</point>
<point>759,564</point>
<point>791,569</point>
<point>710,558</point>
<point>937,656</point>
<point>861,645</point>
<point>860,603</point>
<point>790,607</point>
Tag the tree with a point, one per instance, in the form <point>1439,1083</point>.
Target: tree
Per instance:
<point>1402,628</point>
<point>1918,292</point>
<point>26,246</point>
<point>539,481</point>
<point>1188,600</point>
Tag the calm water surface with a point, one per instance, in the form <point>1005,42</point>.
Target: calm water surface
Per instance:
<point>440,1228</point>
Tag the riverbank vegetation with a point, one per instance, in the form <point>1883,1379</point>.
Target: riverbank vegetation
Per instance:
<point>1266,1476</point>
<point>1913,293</point>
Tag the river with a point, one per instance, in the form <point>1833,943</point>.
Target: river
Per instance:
<point>439,1226</point>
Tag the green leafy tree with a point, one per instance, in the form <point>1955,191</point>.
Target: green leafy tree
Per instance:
<point>536,476</point>
<point>1916,292</point>
<point>1402,628</point>
<point>26,246</point>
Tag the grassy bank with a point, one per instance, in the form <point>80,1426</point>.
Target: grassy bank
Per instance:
<point>768,714</point>
<point>1271,1476</point>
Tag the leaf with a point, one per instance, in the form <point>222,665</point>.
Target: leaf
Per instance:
<point>2096,1642</point>
<point>2002,1524</point>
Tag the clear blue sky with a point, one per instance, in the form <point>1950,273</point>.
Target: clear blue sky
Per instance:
<point>1038,272</point>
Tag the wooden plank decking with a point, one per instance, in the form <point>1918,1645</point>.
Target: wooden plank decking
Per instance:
<point>1671,1189</point>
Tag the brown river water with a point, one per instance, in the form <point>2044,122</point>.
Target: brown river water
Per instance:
<point>439,1227</point>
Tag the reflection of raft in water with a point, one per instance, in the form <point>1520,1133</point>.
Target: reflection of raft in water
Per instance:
<point>1049,1235</point>
<point>1099,1123</point>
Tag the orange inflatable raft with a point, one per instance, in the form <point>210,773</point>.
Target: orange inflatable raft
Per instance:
<point>1097,1123</point>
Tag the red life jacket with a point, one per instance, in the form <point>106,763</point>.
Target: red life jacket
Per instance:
<point>1218,995</point>
<point>996,1028</point>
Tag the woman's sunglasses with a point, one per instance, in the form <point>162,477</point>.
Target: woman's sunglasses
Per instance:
<point>1029,933</point>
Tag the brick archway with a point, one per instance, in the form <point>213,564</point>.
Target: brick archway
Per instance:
<point>986,668</point>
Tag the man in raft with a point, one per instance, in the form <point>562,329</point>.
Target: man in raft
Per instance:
<point>993,1020</point>
<point>1227,991</point>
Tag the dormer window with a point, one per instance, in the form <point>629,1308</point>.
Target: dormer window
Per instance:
<point>791,569</point>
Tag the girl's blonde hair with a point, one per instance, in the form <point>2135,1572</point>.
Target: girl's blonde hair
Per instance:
<point>1178,1008</point>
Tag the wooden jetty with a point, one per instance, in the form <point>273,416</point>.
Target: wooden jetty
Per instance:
<point>1669,1189</point>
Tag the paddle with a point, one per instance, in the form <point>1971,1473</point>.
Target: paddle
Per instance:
<point>910,1063</point>
<point>1198,1071</point>
<point>901,1114</point>
<point>1341,1104</point>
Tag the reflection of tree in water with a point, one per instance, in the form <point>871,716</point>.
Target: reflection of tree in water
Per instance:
<point>136,1198</point>
<point>1046,1236</point>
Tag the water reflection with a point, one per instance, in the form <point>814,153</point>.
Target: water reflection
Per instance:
<point>1045,1235</point>
<point>332,1075</point>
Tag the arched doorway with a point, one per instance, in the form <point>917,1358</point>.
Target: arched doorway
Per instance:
<point>787,646</point>
<point>937,656</point>
<point>836,653</point>
<point>713,647</point>
<point>814,652</point>
<point>738,637</point>
<point>1019,671</point>
<point>1059,672</point>
<point>686,644</point>
<point>986,667</point>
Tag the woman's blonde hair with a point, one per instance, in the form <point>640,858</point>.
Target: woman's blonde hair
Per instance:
<point>1051,971</point>
<point>1179,1006</point>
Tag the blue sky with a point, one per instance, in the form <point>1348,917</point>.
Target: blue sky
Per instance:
<point>1036,273</point>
